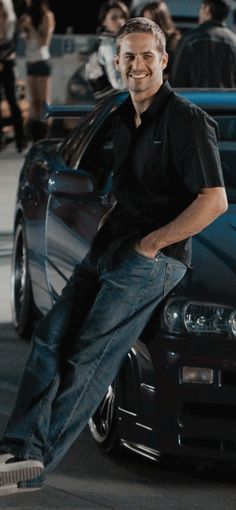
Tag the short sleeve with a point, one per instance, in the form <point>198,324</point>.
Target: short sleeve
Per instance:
<point>194,140</point>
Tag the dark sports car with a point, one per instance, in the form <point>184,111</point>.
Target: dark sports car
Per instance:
<point>176,392</point>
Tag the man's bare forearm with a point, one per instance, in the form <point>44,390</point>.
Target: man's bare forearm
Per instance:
<point>209,204</point>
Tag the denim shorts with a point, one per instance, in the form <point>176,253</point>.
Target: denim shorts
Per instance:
<point>40,68</point>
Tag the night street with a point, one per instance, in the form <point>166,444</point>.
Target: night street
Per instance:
<point>87,479</point>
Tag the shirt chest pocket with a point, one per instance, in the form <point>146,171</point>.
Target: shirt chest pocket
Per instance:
<point>155,149</point>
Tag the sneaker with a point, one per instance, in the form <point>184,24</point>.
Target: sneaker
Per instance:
<point>14,470</point>
<point>7,490</point>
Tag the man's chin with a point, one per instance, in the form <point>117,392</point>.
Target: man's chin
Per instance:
<point>138,87</point>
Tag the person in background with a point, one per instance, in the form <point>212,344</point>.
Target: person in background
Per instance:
<point>100,69</point>
<point>206,57</point>
<point>7,70</point>
<point>158,11</point>
<point>38,24</point>
<point>167,188</point>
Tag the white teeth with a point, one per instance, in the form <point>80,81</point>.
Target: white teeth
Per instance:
<point>138,75</point>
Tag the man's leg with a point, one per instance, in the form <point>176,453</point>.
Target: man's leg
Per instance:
<point>124,303</point>
<point>45,369</point>
<point>127,298</point>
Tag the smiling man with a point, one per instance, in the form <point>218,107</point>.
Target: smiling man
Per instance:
<point>168,186</point>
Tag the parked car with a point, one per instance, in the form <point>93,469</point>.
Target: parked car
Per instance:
<point>175,393</point>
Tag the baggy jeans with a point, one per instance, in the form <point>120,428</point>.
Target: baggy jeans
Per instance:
<point>78,348</point>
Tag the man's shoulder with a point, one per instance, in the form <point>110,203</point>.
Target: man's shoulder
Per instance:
<point>219,32</point>
<point>229,35</point>
<point>182,104</point>
<point>181,108</point>
<point>191,35</point>
<point>208,30</point>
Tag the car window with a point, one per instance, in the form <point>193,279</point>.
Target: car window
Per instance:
<point>97,157</point>
<point>227,146</point>
<point>72,141</point>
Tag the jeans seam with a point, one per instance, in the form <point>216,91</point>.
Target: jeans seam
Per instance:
<point>140,296</point>
<point>169,268</point>
<point>39,414</point>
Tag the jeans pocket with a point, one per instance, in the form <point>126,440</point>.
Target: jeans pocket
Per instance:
<point>173,275</point>
<point>102,263</point>
<point>145,257</point>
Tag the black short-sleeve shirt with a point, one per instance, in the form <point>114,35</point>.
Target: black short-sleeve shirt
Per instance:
<point>159,169</point>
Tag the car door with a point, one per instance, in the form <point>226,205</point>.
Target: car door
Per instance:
<point>79,197</point>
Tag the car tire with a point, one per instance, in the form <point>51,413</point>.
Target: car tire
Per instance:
<point>103,424</point>
<point>23,308</point>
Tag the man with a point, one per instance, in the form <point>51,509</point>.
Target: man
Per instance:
<point>168,186</point>
<point>206,57</point>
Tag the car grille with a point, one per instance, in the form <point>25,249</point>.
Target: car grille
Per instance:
<point>229,378</point>
<point>210,425</point>
<point>209,411</point>
<point>210,444</point>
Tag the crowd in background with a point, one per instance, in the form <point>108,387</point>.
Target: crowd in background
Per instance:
<point>36,25</point>
<point>204,56</point>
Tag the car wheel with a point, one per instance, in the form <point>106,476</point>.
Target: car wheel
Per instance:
<point>23,312</point>
<point>103,424</point>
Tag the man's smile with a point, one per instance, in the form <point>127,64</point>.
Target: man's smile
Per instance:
<point>138,76</point>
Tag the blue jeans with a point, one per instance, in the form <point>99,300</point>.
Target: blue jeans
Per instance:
<point>78,349</point>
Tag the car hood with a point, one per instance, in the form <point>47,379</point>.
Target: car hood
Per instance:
<point>213,273</point>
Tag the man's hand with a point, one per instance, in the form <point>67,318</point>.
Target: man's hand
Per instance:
<point>209,204</point>
<point>147,246</point>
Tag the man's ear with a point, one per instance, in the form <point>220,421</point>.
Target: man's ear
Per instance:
<point>117,62</point>
<point>164,60</point>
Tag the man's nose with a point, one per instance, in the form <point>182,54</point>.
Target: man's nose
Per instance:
<point>137,62</point>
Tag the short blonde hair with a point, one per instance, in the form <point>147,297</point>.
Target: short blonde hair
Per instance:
<point>142,25</point>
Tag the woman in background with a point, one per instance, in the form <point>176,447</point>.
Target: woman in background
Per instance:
<point>100,70</point>
<point>38,24</point>
<point>7,70</point>
<point>158,11</point>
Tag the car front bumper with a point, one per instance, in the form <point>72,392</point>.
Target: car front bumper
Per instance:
<point>173,417</point>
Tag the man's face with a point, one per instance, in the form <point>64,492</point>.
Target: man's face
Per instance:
<point>204,13</point>
<point>140,63</point>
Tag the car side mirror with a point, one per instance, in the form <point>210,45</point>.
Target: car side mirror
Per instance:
<point>70,183</point>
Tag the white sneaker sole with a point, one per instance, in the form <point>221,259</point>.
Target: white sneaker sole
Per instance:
<point>7,490</point>
<point>20,471</point>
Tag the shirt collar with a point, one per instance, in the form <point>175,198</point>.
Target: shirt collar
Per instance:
<point>157,105</point>
<point>212,23</point>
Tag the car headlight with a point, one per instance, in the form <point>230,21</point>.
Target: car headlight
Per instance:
<point>195,317</point>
